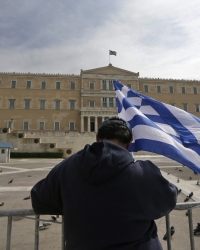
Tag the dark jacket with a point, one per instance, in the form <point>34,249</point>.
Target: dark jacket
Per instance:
<point>108,200</point>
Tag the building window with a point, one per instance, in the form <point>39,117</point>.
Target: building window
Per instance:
<point>91,104</point>
<point>71,126</point>
<point>72,105</point>
<point>196,107</point>
<point>11,104</point>
<point>183,90</point>
<point>110,85</point>
<point>57,125</point>
<point>58,84</point>
<point>28,84</point>
<point>129,85</point>
<point>13,84</point>
<point>57,104</point>
<point>91,85</point>
<point>158,89</point>
<point>3,151</point>
<point>26,125</point>
<point>146,88</point>
<point>171,89</point>
<point>43,85</point>
<point>104,102</point>
<point>42,104</point>
<point>111,103</point>
<point>27,104</point>
<point>41,125</point>
<point>185,106</point>
<point>195,90</point>
<point>72,85</point>
<point>104,85</point>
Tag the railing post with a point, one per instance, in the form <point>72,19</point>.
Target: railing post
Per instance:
<point>191,229</point>
<point>37,217</point>
<point>63,235</point>
<point>9,229</point>
<point>169,247</point>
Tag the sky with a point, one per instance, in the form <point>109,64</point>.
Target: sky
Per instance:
<point>158,39</point>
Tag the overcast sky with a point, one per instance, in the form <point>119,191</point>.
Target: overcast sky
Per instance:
<point>155,38</point>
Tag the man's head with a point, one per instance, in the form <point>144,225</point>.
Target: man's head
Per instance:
<point>116,130</point>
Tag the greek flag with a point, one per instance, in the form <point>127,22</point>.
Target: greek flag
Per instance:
<point>111,52</point>
<point>159,127</point>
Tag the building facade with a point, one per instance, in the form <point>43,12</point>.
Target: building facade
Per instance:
<point>51,112</point>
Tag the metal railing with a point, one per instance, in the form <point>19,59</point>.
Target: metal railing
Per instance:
<point>29,212</point>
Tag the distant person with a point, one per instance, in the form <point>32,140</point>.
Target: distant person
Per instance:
<point>109,201</point>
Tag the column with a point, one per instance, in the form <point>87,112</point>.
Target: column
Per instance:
<point>88,123</point>
<point>82,123</point>
<point>96,124</point>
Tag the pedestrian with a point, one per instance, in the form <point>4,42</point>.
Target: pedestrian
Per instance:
<point>109,201</point>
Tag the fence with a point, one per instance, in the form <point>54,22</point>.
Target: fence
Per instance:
<point>29,212</point>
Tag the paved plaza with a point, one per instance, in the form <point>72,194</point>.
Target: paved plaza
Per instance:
<point>26,172</point>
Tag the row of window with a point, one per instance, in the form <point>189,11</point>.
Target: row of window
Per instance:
<point>106,85</point>
<point>106,102</point>
<point>171,89</point>
<point>41,125</point>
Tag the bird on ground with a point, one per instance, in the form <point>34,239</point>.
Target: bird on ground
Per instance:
<point>172,231</point>
<point>197,229</point>
<point>177,179</point>
<point>186,199</point>
<point>180,170</point>
<point>1,204</point>
<point>0,170</point>
<point>190,178</point>
<point>54,217</point>
<point>10,181</point>
<point>179,191</point>
<point>44,225</point>
<point>168,173</point>
<point>27,198</point>
<point>190,195</point>
<point>29,175</point>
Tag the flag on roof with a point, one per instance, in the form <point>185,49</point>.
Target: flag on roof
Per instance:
<point>159,127</point>
<point>111,52</point>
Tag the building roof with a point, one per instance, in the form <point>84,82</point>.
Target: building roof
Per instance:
<point>6,145</point>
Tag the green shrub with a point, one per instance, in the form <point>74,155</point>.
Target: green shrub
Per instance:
<point>36,155</point>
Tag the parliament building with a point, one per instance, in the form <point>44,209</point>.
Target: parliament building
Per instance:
<point>54,112</point>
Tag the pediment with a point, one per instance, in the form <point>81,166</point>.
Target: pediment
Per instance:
<point>109,70</point>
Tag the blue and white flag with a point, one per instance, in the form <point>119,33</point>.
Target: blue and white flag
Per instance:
<point>160,128</point>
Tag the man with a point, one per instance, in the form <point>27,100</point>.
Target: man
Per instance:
<point>108,200</point>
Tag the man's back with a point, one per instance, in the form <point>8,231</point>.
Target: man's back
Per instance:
<point>108,200</point>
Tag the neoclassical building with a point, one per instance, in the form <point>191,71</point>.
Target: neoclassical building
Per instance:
<point>51,112</point>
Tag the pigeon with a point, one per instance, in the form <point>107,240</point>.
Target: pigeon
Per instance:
<point>10,181</point>
<point>179,191</point>
<point>54,217</point>
<point>190,195</point>
<point>190,178</point>
<point>177,179</point>
<point>195,173</point>
<point>186,199</point>
<point>29,175</point>
<point>27,198</point>
<point>172,231</point>
<point>0,170</point>
<point>197,229</point>
<point>44,225</point>
<point>180,170</point>
<point>1,204</point>
<point>168,173</point>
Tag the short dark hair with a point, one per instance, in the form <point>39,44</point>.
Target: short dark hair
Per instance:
<point>115,128</point>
